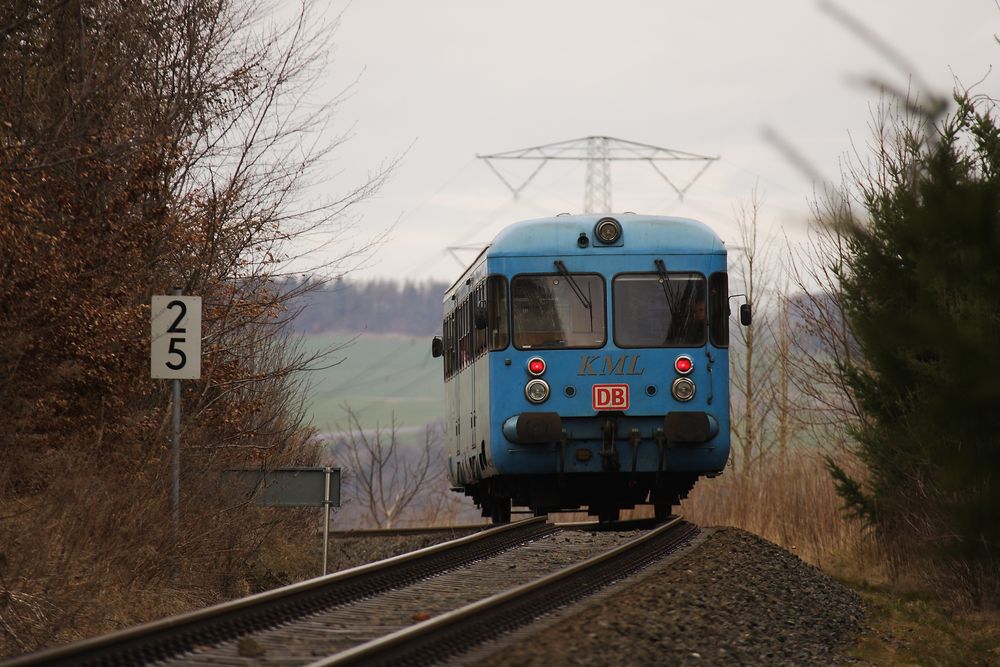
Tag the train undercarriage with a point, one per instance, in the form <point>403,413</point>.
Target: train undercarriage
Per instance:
<point>604,495</point>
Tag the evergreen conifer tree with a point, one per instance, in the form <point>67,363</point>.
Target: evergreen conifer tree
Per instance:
<point>922,293</point>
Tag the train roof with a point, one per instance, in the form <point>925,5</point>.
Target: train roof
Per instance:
<point>640,233</point>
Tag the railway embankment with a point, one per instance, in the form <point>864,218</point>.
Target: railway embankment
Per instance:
<point>739,599</point>
<point>734,599</point>
<point>725,597</point>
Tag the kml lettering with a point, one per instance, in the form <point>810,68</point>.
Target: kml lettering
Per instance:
<point>626,364</point>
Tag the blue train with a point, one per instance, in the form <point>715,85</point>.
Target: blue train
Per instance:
<point>586,363</point>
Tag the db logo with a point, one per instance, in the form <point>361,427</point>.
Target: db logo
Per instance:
<point>609,397</point>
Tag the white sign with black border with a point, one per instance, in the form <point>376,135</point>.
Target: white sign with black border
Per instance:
<point>175,353</point>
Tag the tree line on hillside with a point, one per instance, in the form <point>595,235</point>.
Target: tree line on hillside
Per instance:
<point>376,306</point>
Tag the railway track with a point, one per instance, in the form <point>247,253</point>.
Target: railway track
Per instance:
<point>409,532</point>
<point>413,609</point>
<point>455,632</point>
<point>172,636</point>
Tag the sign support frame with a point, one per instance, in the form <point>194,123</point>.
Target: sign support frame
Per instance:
<point>313,486</point>
<point>175,450</point>
<point>326,510</point>
<point>175,354</point>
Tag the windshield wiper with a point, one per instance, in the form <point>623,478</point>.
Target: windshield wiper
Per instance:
<point>686,300</point>
<point>662,269</point>
<point>572,283</point>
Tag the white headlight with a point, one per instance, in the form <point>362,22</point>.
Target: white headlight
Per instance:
<point>537,391</point>
<point>682,389</point>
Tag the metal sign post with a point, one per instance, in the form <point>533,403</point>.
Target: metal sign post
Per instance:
<point>289,487</point>
<point>175,354</point>
<point>175,460</point>
<point>326,517</point>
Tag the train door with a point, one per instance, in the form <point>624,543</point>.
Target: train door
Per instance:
<point>452,394</point>
<point>464,387</point>
<point>467,348</point>
<point>460,360</point>
<point>496,336</point>
<point>471,439</point>
<point>479,322</point>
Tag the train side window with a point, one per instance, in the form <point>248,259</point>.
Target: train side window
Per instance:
<point>467,322</point>
<point>454,341</point>
<point>458,337</point>
<point>464,342</point>
<point>718,309</point>
<point>478,311</point>
<point>496,303</point>
<point>445,342</point>
<point>449,346</point>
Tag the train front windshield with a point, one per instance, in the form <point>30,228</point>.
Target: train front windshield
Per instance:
<point>558,311</point>
<point>655,311</point>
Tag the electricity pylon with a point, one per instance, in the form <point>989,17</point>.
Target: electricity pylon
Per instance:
<point>598,152</point>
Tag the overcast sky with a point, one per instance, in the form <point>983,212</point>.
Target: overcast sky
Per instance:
<point>445,80</point>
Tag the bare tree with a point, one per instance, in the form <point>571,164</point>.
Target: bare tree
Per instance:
<point>787,424</point>
<point>753,367</point>
<point>775,413</point>
<point>387,476</point>
<point>822,343</point>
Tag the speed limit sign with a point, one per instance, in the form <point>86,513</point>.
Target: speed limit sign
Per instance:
<point>176,338</point>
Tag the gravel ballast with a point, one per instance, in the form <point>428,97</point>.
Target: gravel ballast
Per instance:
<point>734,599</point>
<point>347,552</point>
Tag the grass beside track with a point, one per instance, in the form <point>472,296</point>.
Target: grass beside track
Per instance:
<point>793,503</point>
<point>914,627</point>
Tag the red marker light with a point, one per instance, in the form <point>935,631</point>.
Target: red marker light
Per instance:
<point>683,365</point>
<point>536,366</point>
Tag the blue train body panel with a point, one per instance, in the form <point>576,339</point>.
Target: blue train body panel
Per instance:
<point>609,320</point>
<point>557,237</point>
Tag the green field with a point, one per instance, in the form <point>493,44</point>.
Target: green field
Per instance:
<point>379,376</point>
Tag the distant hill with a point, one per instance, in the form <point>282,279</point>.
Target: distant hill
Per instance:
<point>375,306</point>
<point>414,309</point>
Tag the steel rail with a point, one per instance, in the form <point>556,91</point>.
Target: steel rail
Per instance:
<point>165,638</point>
<point>411,531</point>
<point>456,631</point>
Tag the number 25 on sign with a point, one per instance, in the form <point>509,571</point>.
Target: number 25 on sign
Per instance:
<point>175,352</point>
